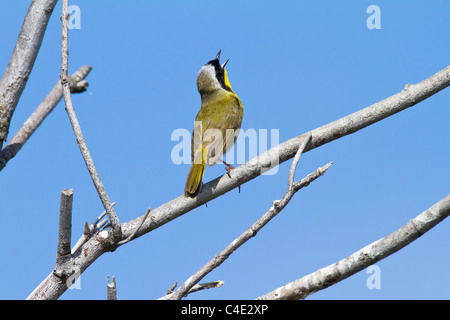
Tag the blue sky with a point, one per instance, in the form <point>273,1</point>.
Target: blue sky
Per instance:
<point>296,65</point>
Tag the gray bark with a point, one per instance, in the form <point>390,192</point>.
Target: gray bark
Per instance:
<point>22,60</point>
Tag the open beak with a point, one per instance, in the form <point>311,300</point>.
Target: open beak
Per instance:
<point>218,59</point>
<point>225,63</point>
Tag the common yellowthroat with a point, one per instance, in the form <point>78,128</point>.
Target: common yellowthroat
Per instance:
<point>217,123</point>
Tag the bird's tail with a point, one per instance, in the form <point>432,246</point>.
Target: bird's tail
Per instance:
<point>195,176</point>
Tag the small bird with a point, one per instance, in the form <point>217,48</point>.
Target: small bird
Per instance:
<point>217,123</point>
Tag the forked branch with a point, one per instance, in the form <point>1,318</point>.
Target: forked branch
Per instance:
<point>276,208</point>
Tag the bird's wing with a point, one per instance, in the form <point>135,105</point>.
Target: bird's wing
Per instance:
<point>222,130</point>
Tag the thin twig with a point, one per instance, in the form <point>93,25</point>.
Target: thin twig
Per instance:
<point>374,252</point>
<point>115,234</point>
<point>197,287</point>
<point>311,177</point>
<point>297,156</point>
<point>100,217</point>
<point>276,208</point>
<point>131,237</point>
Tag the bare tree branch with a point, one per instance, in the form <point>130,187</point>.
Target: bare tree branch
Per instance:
<point>77,83</point>
<point>111,289</point>
<point>64,235</point>
<point>22,60</point>
<point>51,288</point>
<point>172,288</point>
<point>374,252</point>
<point>65,223</point>
<point>276,208</point>
<point>113,218</point>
